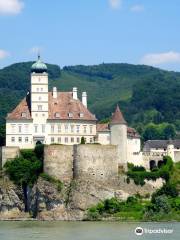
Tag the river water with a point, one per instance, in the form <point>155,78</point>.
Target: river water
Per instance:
<point>35,230</point>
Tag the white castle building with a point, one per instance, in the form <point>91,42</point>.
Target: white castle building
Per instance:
<point>60,117</point>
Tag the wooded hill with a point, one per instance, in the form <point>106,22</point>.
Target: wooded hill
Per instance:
<point>145,94</point>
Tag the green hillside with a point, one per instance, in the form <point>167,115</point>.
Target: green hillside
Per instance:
<point>145,94</point>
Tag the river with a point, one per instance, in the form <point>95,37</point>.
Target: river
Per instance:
<point>35,230</point>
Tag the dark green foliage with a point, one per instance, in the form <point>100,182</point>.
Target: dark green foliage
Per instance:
<point>167,189</point>
<point>139,174</point>
<point>52,180</point>
<point>83,140</point>
<point>2,135</point>
<point>23,171</point>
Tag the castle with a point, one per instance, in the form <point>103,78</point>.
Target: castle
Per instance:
<point>60,117</point>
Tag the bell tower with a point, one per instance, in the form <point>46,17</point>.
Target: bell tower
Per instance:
<point>39,91</point>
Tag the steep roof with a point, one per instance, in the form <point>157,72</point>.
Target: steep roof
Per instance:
<point>21,112</point>
<point>64,104</point>
<point>117,117</point>
<point>64,107</point>
<point>160,144</point>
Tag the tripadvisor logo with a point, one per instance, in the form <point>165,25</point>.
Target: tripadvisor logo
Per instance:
<point>139,231</point>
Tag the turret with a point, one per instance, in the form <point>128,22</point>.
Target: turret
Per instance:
<point>118,127</point>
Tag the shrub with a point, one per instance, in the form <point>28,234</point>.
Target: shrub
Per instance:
<point>93,213</point>
<point>83,140</point>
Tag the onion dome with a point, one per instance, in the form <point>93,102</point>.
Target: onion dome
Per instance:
<point>39,66</point>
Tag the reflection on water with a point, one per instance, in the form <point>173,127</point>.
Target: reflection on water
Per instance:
<point>83,231</point>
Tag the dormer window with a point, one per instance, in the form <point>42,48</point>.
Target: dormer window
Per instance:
<point>81,115</point>
<point>70,115</point>
<point>57,115</point>
<point>23,114</point>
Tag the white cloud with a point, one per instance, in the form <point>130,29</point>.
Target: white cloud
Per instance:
<point>3,54</point>
<point>115,4</point>
<point>10,7</point>
<point>137,8</point>
<point>161,58</point>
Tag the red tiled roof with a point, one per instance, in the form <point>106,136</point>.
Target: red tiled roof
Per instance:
<point>117,117</point>
<point>22,107</point>
<point>102,127</point>
<point>131,132</point>
<point>63,105</point>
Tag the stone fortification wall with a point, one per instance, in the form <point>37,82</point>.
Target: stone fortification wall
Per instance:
<point>88,161</point>
<point>95,161</point>
<point>58,161</point>
<point>8,153</point>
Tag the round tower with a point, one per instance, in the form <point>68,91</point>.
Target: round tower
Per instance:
<point>118,128</point>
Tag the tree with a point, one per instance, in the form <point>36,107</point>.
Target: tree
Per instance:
<point>169,131</point>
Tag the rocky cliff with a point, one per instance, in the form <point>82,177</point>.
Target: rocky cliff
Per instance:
<point>47,202</point>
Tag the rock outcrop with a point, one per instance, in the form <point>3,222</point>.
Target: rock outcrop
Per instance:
<point>11,201</point>
<point>47,202</point>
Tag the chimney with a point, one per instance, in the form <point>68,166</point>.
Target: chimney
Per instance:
<point>84,99</point>
<point>75,93</point>
<point>54,92</point>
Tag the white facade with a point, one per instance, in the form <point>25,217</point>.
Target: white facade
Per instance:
<point>26,131</point>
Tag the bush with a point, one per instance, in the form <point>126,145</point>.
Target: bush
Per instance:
<point>23,171</point>
<point>83,140</point>
<point>93,213</point>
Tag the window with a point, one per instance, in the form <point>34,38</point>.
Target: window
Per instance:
<point>66,128</point>
<point>52,128</point>
<point>36,115</point>
<point>23,114</point>
<point>20,139</point>
<point>39,107</point>
<point>78,140</point>
<point>39,79</point>
<point>70,115</point>
<point>43,115</point>
<point>40,98</point>
<point>72,140</point>
<point>37,89</point>
<point>35,128</point>
<point>26,139</point>
<point>12,139</point>
<point>59,139</point>
<point>52,140</point>
<point>85,129</point>
<point>59,128</point>
<point>41,89</point>
<point>91,140</point>
<point>13,128</point>
<point>81,115</point>
<point>91,129</point>
<point>20,128</point>
<point>77,128</point>
<point>72,128</point>
<point>66,139</point>
<point>43,128</point>
<point>57,115</point>
<point>26,127</point>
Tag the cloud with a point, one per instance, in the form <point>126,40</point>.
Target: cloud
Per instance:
<point>161,58</point>
<point>3,54</point>
<point>8,7</point>
<point>115,4</point>
<point>137,8</point>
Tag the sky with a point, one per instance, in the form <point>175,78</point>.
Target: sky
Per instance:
<point>71,32</point>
